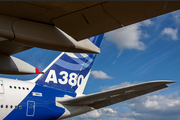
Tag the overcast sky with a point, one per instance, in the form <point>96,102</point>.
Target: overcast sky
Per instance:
<point>145,51</point>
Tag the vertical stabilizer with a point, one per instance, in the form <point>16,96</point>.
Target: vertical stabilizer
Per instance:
<point>69,71</point>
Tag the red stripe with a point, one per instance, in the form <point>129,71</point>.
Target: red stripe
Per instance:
<point>37,71</point>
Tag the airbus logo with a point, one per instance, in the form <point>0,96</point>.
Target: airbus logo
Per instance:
<point>73,80</point>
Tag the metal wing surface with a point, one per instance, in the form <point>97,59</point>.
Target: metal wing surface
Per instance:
<point>110,97</point>
<point>83,19</point>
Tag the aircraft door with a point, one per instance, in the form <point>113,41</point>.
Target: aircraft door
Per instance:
<point>30,108</point>
<point>1,87</point>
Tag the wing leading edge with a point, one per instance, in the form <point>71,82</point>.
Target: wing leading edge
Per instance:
<point>102,99</point>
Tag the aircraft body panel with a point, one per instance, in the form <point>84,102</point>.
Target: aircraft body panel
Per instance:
<point>31,101</point>
<point>14,91</point>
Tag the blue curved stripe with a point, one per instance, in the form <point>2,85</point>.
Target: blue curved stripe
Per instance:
<point>74,66</point>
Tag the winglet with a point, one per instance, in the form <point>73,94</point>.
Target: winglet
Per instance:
<point>170,82</point>
<point>165,81</point>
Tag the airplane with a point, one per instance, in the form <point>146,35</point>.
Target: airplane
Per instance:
<point>58,92</point>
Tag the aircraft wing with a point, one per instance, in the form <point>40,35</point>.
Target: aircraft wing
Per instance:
<point>65,25</point>
<point>79,19</point>
<point>84,19</point>
<point>109,97</point>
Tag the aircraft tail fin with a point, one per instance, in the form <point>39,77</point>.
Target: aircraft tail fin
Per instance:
<point>69,71</point>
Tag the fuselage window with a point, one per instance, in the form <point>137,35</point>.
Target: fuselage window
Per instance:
<point>16,107</point>
<point>1,106</point>
<point>18,87</point>
<point>20,107</point>
<point>11,106</point>
<point>1,84</point>
<point>6,106</point>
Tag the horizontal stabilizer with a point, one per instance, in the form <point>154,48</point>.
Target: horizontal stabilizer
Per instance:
<point>109,97</point>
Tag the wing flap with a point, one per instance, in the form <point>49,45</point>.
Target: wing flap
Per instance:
<point>105,98</point>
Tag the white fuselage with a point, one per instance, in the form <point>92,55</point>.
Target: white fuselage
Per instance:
<point>11,94</point>
<point>24,97</point>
